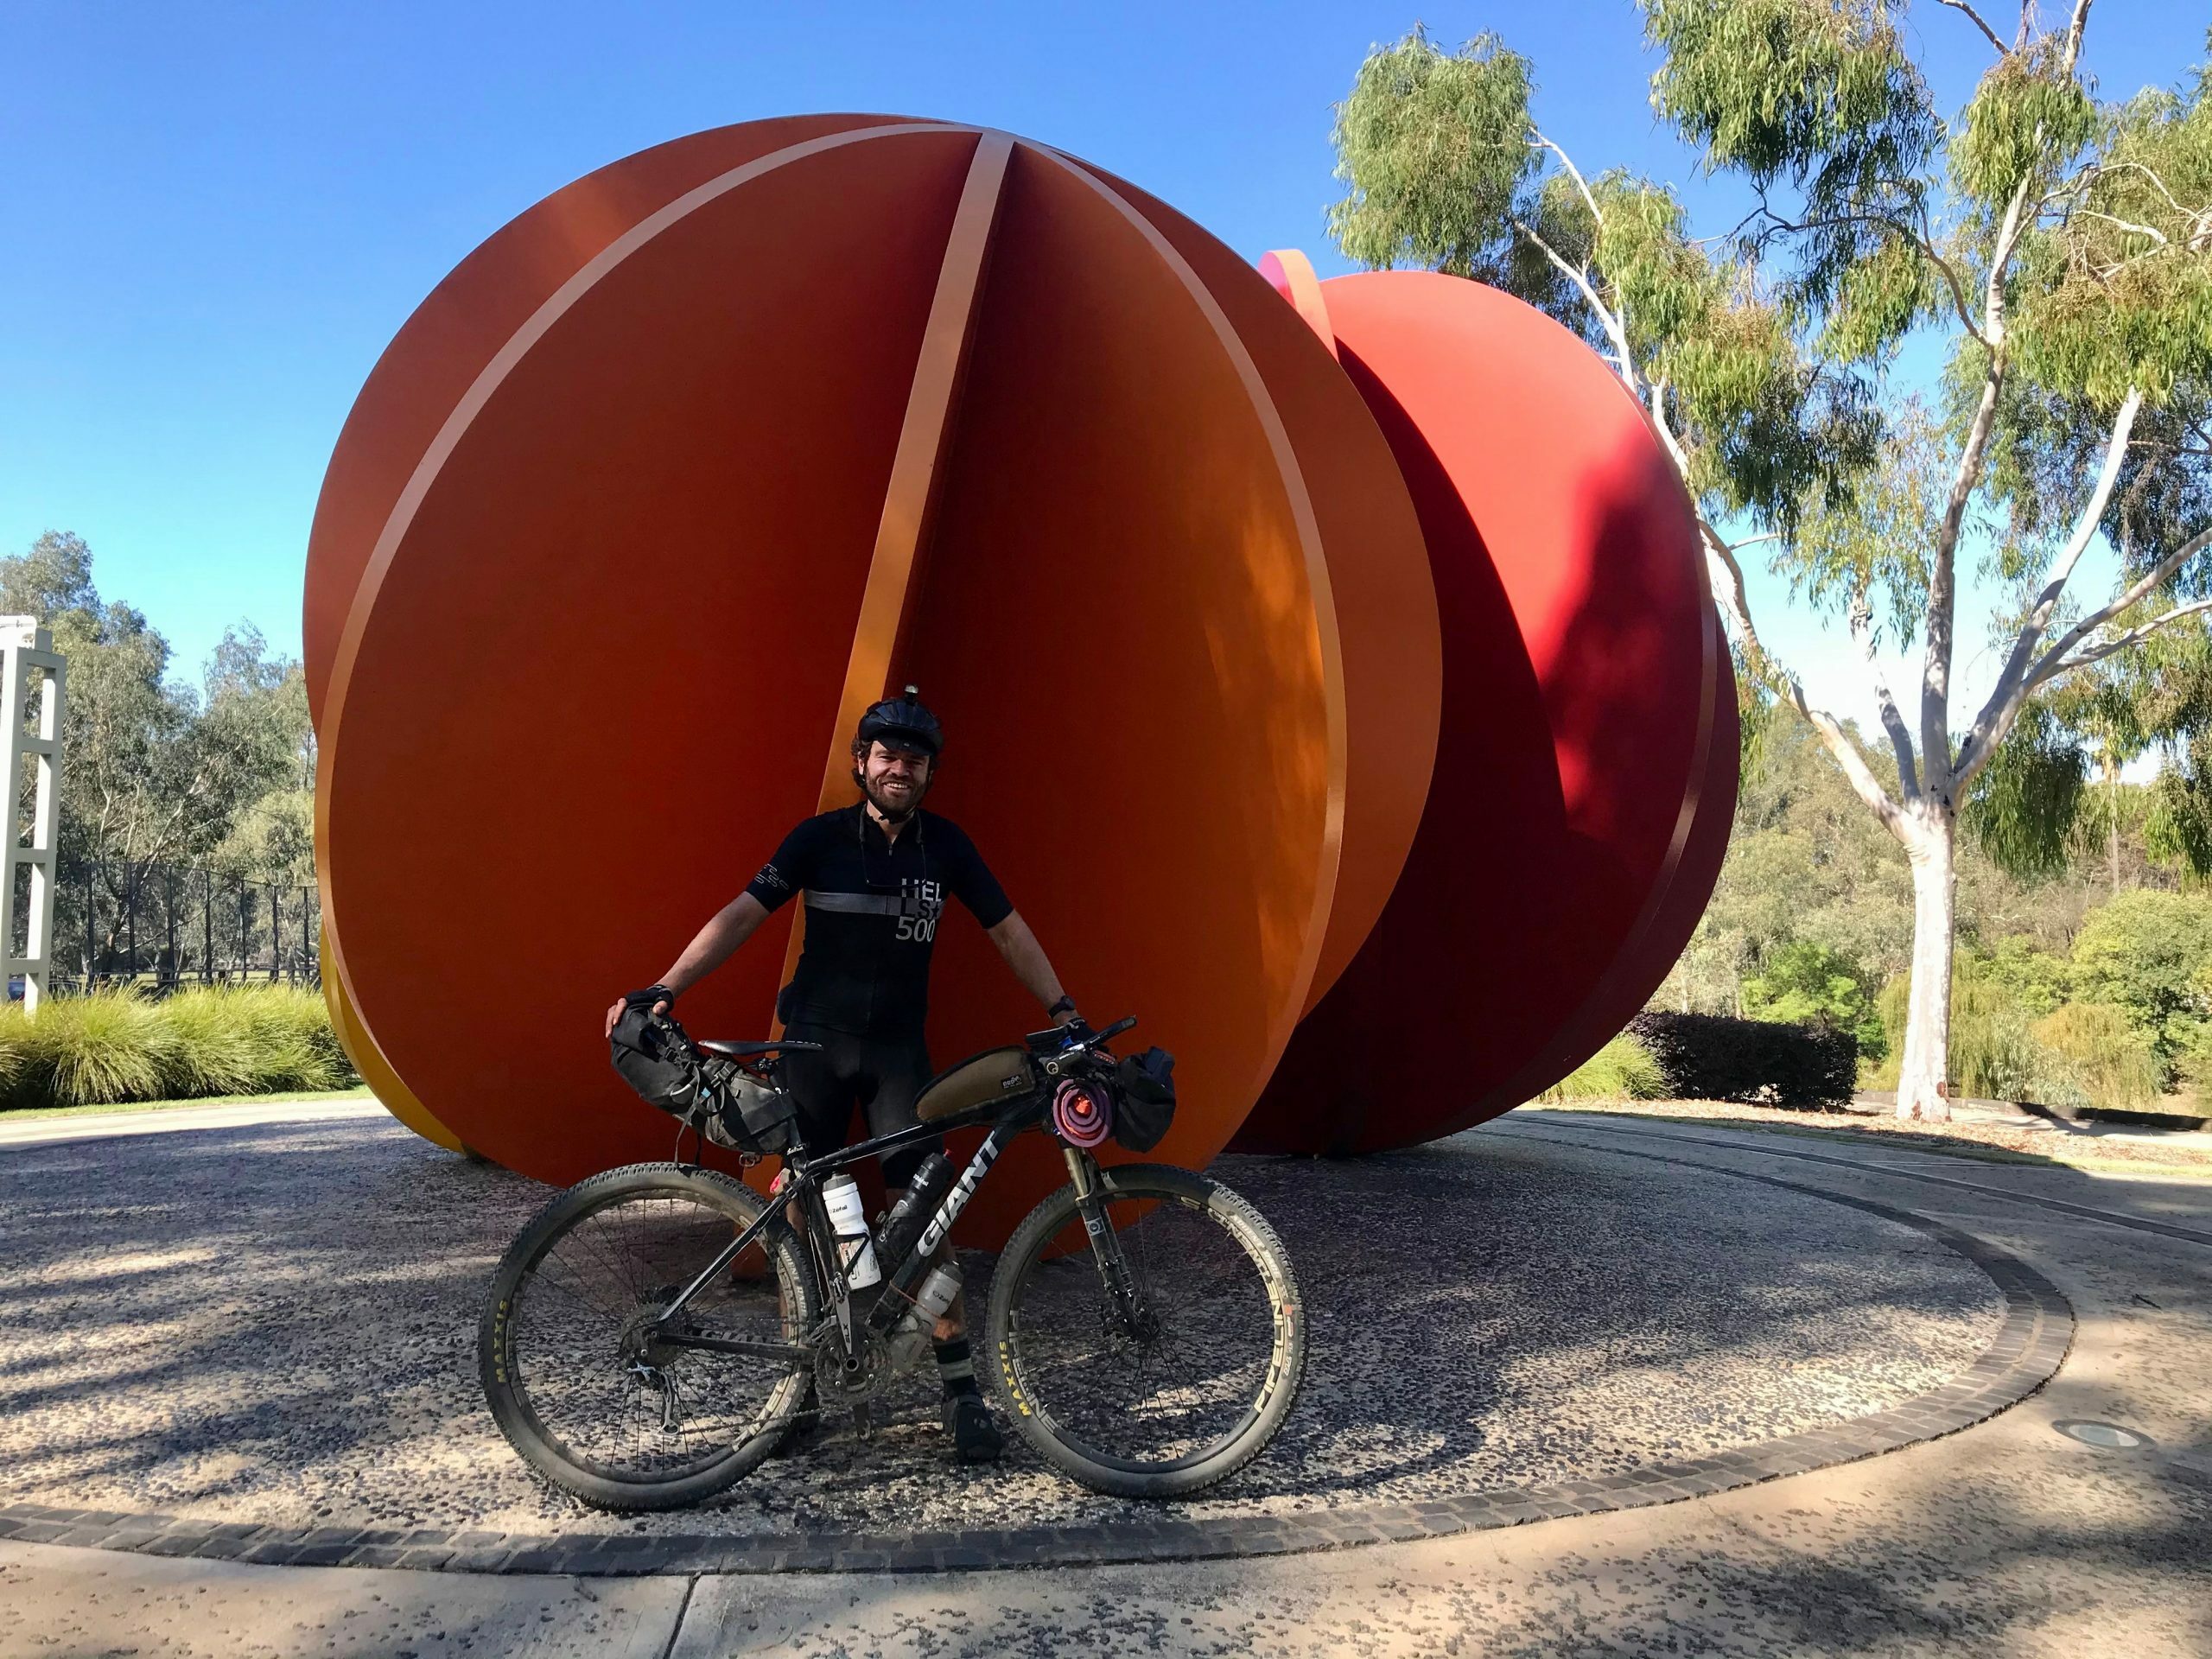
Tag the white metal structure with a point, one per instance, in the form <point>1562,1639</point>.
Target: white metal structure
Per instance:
<point>26,655</point>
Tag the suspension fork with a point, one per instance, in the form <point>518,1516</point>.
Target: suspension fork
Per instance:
<point>1120,1286</point>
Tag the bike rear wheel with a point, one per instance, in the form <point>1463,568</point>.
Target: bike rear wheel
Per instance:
<point>576,1379</point>
<point>1194,1395</point>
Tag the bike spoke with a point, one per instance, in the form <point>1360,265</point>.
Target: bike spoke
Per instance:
<point>1126,1397</point>
<point>614,1399</point>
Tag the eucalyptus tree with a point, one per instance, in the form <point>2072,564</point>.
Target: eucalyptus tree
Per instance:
<point>2056,250</point>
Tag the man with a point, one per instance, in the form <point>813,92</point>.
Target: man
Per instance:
<point>874,876</point>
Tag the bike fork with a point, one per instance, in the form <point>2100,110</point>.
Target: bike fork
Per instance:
<point>1105,1248</point>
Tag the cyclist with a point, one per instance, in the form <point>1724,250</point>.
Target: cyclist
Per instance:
<point>875,875</point>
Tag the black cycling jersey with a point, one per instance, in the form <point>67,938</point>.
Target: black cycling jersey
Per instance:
<point>872,910</point>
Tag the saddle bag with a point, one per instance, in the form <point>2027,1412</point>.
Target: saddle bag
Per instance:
<point>1144,1105</point>
<point>715,1097</point>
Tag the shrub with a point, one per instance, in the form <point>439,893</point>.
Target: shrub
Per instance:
<point>216,1051</point>
<point>1807,984</point>
<point>97,1050</point>
<point>2148,953</point>
<point>1712,1057</point>
<point>2110,1061</point>
<point>114,1046</point>
<point>2034,979</point>
<point>1621,1070</point>
<point>1994,1053</point>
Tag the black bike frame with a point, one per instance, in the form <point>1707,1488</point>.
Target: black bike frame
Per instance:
<point>805,1189</point>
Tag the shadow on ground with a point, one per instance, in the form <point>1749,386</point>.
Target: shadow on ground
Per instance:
<point>278,1323</point>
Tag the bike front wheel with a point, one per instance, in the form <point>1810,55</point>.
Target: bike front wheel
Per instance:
<point>574,1348</point>
<point>1186,1391</point>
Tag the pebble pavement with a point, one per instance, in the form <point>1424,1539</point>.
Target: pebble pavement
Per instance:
<point>277,1324</point>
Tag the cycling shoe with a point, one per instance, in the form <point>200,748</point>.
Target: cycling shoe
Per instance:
<point>976,1438</point>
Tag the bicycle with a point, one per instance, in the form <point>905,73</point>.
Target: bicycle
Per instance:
<point>1144,1330</point>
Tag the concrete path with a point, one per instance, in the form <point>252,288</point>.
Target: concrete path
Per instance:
<point>101,1125</point>
<point>2010,1538</point>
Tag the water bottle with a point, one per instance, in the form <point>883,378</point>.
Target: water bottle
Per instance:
<point>912,1339</point>
<point>855,1250</point>
<point>932,1181</point>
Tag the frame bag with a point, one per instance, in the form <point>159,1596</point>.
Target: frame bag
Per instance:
<point>713,1097</point>
<point>1145,1085</point>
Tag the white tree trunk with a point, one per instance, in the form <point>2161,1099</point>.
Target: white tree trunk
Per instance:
<point>1924,1085</point>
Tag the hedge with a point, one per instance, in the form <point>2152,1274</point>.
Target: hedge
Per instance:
<point>1754,1062</point>
<point>114,1046</point>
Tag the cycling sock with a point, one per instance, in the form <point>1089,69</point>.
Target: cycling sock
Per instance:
<point>954,1368</point>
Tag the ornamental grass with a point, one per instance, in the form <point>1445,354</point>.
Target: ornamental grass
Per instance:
<point>116,1046</point>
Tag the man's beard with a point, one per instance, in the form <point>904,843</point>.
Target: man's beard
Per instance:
<point>884,810</point>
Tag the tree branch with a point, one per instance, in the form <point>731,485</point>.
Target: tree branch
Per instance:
<point>2054,660</point>
<point>1960,5</point>
<point>2134,636</point>
<point>2011,688</point>
<point>1581,280</point>
<point>2073,34</point>
<point>1892,722</point>
<point>1917,235</point>
<point>2127,224</point>
<point>1856,771</point>
<point>1573,172</point>
<point>1943,596</point>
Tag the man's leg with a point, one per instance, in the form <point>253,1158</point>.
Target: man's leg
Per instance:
<point>904,1069</point>
<point>820,1084</point>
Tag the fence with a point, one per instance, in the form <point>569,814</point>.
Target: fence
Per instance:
<point>164,925</point>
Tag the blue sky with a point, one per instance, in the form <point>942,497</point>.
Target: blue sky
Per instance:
<point>216,215</point>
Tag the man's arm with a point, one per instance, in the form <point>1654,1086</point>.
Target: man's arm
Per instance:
<point>731,926</point>
<point>1027,957</point>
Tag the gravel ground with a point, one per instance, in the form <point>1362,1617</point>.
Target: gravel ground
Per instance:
<point>277,1324</point>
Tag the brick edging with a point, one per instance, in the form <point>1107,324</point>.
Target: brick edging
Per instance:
<point>2031,1344</point>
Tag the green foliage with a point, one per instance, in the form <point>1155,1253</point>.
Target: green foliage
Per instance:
<point>89,1050</point>
<point>2027,119</point>
<point>2180,824</point>
<point>114,1046</point>
<point>1994,1053</point>
<point>1621,1070</point>
<point>1819,94</point>
<point>2149,954</point>
<point>1434,150</point>
<point>2023,804</point>
<point>1805,983</point>
<point>157,770</point>
<point>2035,980</point>
<point>1866,558</point>
<point>2109,1059</point>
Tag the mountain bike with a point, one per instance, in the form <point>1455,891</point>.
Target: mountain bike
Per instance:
<point>650,1336</point>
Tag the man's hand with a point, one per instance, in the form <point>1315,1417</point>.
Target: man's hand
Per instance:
<point>662,1000</point>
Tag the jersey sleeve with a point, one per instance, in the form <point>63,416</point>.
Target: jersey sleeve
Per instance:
<point>783,876</point>
<point>974,885</point>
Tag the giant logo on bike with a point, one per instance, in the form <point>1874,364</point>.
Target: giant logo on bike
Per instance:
<point>1326,666</point>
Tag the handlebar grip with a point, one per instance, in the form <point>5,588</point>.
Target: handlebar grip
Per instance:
<point>1117,1028</point>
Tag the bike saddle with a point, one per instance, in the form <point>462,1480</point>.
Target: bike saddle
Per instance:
<point>747,1051</point>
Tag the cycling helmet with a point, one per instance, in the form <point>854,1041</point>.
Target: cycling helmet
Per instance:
<point>901,722</point>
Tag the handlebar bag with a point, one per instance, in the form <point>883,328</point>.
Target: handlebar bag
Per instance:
<point>656,1057</point>
<point>1145,1086</point>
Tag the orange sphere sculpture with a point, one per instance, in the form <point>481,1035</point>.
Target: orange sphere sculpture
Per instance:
<point>696,457</point>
